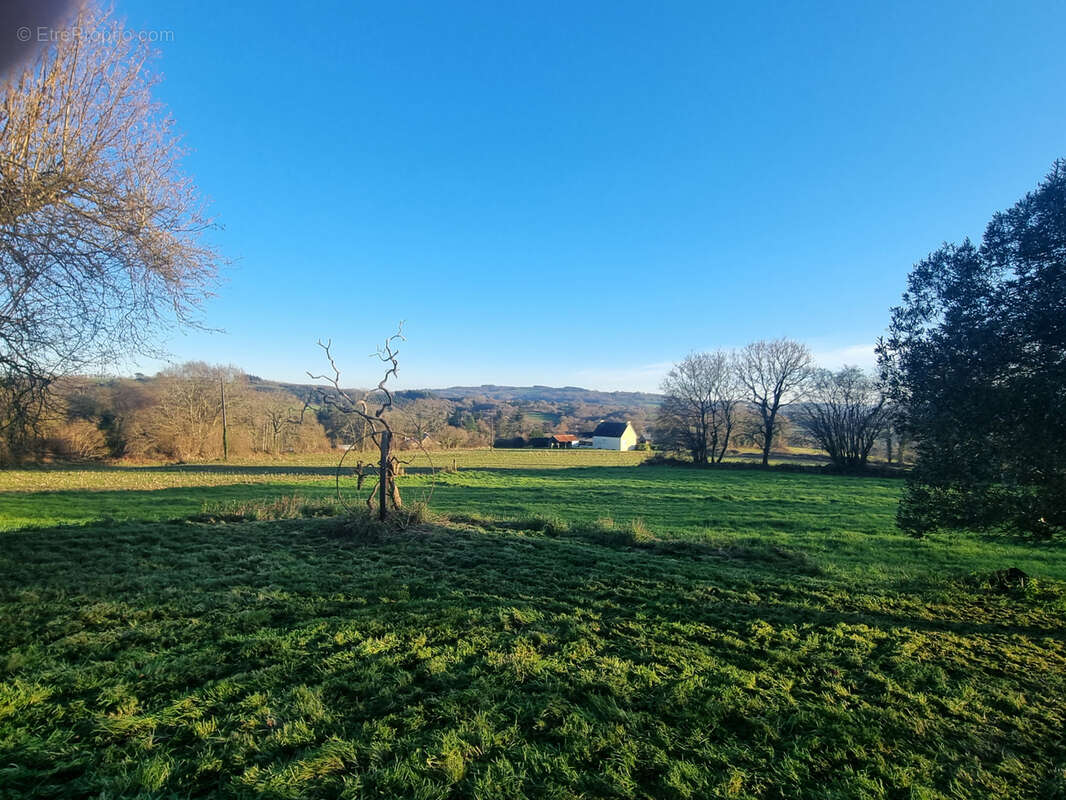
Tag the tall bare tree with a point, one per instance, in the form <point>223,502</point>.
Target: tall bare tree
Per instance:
<point>279,415</point>
<point>775,374</point>
<point>845,413</point>
<point>100,232</point>
<point>381,431</point>
<point>702,395</point>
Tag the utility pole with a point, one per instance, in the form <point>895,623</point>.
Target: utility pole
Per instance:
<point>225,444</point>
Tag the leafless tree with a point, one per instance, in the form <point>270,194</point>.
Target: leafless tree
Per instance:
<point>775,374</point>
<point>380,429</point>
<point>23,398</point>
<point>702,395</point>
<point>278,415</point>
<point>425,417</point>
<point>845,414</point>
<point>100,232</point>
<point>189,410</point>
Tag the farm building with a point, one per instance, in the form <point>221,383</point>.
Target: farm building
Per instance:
<point>614,436</point>
<point>564,440</point>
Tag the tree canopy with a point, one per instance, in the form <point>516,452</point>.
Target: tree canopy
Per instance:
<point>976,357</point>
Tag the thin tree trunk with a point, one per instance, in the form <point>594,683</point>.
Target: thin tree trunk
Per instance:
<point>225,442</point>
<point>725,442</point>
<point>383,480</point>
<point>768,438</point>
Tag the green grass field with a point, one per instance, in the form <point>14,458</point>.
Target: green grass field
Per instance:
<point>570,625</point>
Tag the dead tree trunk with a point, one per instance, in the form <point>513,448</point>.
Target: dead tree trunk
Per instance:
<point>385,476</point>
<point>376,426</point>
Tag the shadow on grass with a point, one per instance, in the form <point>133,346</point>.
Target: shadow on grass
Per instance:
<point>257,657</point>
<point>207,469</point>
<point>38,510</point>
<point>759,580</point>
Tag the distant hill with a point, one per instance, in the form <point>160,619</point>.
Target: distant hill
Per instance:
<point>518,395</point>
<point>552,394</point>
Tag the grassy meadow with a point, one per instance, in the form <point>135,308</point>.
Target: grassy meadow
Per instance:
<point>565,625</point>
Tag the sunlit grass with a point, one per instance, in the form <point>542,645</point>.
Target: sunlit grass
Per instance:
<point>561,629</point>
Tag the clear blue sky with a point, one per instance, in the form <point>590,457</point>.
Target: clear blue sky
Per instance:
<point>581,193</point>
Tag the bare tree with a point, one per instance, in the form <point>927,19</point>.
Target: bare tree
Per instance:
<point>100,232</point>
<point>279,418</point>
<point>188,416</point>
<point>702,395</point>
<point>24,393</point>
<point>381,430</point>
<point>775,374</point>
<point>845,414</point>
<point>425,417</point>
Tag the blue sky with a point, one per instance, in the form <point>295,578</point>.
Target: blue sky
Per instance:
<point>581,193</point>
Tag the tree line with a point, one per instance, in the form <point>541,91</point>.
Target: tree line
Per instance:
<point>715,400</point>
<point>196,411</point>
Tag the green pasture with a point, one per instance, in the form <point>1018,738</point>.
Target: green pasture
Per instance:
<point>567,625</point>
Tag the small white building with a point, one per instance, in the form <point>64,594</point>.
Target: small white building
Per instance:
<point>614,436</point>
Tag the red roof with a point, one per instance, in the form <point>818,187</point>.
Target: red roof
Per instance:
<point>565,437</point>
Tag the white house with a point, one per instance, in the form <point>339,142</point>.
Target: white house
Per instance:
<point>614,436</point>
